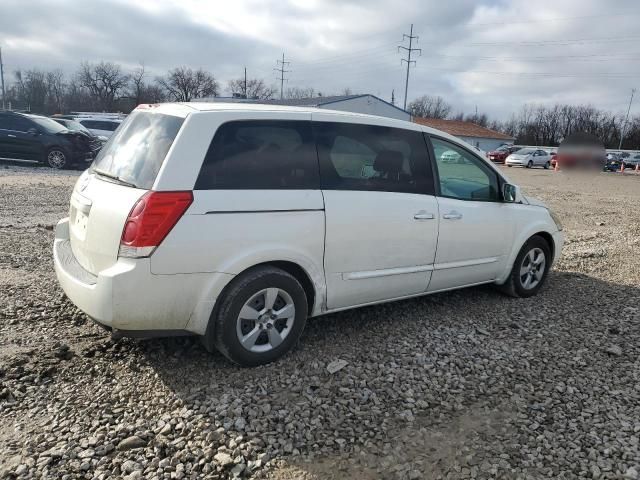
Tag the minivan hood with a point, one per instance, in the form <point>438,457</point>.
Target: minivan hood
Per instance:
<point>535,202</point>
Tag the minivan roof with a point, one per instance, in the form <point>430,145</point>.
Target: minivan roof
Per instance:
<point>184,108</point>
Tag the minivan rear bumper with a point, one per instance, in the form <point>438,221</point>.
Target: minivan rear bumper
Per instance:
<point>127,296</point>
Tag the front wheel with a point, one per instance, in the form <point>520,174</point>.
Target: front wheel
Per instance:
<point>530,164</point>
<point>56,158</point>
<point>509,165</point>
<point>261,316</point>
<point>530,269</point>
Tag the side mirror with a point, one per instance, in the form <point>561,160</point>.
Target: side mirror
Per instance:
<point>33,131</point>
<point>510,193</point>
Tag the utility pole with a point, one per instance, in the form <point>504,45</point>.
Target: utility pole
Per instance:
<point>409,51</point>
<point>626,118</point>
<point>245,83</point>
<point>282,71</point>
<point>2,79</point>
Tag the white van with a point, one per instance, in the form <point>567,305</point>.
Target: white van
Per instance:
<point>237,222</point>
<point>101,127</point>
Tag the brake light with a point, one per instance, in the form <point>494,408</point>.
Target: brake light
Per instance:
<point>150,221</point>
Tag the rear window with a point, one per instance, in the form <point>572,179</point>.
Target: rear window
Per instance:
<point>135,152</point>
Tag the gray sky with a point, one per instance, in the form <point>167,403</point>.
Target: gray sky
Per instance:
<point>496,54</point>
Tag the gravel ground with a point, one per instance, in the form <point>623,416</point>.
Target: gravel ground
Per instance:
<point>468,384</point>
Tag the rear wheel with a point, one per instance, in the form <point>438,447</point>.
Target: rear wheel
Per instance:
<point>56,158</point>
<point>530,269</point>
<point>547,165</point>
<point>260,318</point>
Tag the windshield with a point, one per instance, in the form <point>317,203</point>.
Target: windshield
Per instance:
<point>525,151</point>
<point>48,125</point>
<point>136,150</point>
<point>75,126</point>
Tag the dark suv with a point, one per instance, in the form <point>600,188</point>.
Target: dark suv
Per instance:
<point>34,137</point>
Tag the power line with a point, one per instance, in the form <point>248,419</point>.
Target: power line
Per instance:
<point>282,72</point>
<point>535,43</point>
<point>624,125</point>
<point>409,51</point>
<point>2,78</point>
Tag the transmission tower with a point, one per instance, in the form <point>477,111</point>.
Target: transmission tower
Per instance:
<point>409,51</point>
<point>282,71</point>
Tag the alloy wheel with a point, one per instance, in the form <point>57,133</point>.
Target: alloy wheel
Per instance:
<point>532,268</point>
<point>56,159</point>
<point>265,320</point>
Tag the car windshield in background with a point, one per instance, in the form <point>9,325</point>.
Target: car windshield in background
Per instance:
<point>135,153</point>
<point>525,151</point>
<point>48,125</point>
<point>75,126</point>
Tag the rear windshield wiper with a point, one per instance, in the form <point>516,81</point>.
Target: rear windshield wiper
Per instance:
<point>114,177</point>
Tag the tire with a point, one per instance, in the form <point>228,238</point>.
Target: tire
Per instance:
<point>530,164</point>
<point>268,337</point>
<point>515,286</point>
<point>509,165</point>
<point>56,158</point>
<point>547,165</point>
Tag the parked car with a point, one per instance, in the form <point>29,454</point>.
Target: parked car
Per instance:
<point>38,138</point>
<point>529,157</point>
<point>612,165</point>
<point>450,156</point>
<point>632,161</point>
<point>75,126</point>
<point>237,223</point>
<point>500,154</point>
<point>102,127</point>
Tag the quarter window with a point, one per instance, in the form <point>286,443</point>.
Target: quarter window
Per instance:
<point>268,154</point>
<point>375,158</point>
<point>462,175</point>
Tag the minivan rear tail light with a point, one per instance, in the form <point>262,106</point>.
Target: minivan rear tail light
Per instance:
<point>150,221</point>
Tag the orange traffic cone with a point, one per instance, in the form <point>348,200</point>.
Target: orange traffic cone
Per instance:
<point>621,167</point>
<point>637,168</point>
<point>557,166</point>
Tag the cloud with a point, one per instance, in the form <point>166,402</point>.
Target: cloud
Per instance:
<point>497,55</point>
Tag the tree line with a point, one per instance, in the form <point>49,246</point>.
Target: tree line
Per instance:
<point>107,87</point>
<point>542,125</point>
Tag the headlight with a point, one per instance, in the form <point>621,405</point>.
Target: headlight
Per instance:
<point>556,219</point>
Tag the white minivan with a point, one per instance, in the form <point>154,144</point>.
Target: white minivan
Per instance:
<point>237,222</point>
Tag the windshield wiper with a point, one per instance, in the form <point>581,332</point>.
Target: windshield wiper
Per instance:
<point>114,177</point>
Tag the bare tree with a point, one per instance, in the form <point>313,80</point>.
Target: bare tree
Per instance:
<point>137,86</point>
<point>142,92</point>
<point>56,90</point>
<point>183,84</point>
<point>32,89</point>
<point>255,88</point>
<point>297,92</point>
<point>429,107</point>
<point>105,81</point>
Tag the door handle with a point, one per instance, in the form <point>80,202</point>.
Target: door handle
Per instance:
<point>453,215</point>
<point>422,215</point>
<point>9,135</point>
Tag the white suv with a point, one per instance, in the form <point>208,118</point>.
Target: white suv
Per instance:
<point>238,222</point>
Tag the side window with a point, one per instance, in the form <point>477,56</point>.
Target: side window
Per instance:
<point>264,154</point>
<point>88,123</point>
<point>111,126</point>
<point>22,124</point>
<point>5,124</point>
<point>462,175</point>
<point>369,157</point>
